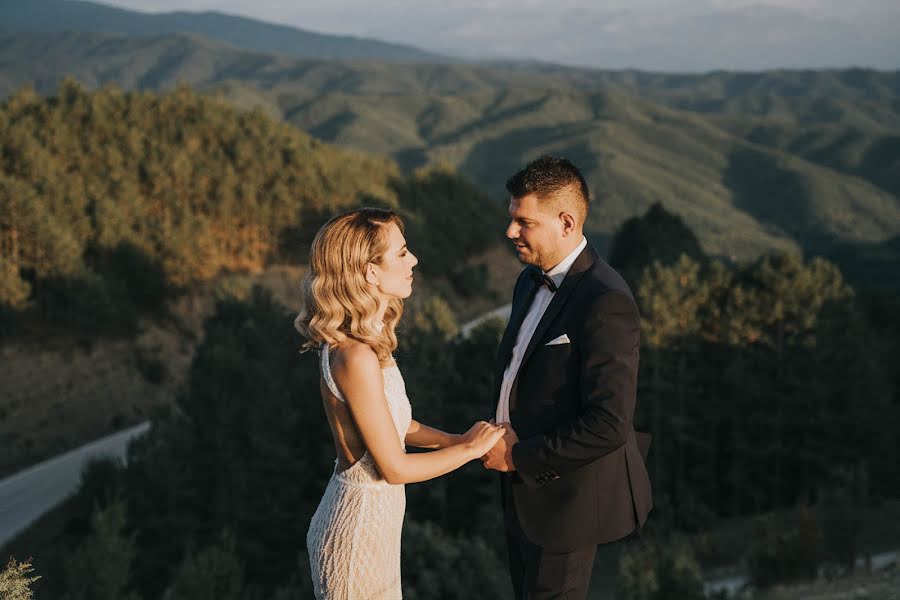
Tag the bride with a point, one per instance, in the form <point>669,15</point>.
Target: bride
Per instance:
<point>360,272</point>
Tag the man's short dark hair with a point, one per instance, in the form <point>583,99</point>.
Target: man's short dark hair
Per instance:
<point>545,177</point>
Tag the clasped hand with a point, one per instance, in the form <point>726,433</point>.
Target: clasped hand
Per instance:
<point>499,458</point>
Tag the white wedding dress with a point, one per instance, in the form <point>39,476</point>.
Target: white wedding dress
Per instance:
<point>354,536</point>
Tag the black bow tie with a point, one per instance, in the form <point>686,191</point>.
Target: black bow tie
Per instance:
<point>543,279</point>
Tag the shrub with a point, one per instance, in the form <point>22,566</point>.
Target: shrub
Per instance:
<point>86,302</point>
<point>100,568</point>
<point>786,552</point>
<point>659,570</point>
<point>437,565</point>
<point>840,530</point>
<point>213,574</point>
<point>15,580</point>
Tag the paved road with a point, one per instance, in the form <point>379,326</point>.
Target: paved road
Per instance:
<point>28,494</point>
<point>501,312</point>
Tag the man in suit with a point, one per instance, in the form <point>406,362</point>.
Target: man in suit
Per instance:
<point>573,475</point>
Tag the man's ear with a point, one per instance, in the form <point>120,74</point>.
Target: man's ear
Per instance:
<point>371,274</point>
<point>568,223</point>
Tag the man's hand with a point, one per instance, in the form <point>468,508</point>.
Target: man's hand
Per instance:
<point>499,457</point>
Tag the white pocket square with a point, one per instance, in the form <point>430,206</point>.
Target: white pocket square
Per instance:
<point>563,339</point>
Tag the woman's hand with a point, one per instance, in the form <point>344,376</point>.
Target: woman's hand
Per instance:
<point>481,437</point>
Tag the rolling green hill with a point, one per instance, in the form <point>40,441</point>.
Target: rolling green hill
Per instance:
<point>856,97</point>
<point>873,155</point>
<point>752,162</point>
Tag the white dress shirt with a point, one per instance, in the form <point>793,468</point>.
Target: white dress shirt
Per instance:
<point>535,312</point>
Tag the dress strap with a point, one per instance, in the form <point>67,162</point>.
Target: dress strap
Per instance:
<point>326,372</point>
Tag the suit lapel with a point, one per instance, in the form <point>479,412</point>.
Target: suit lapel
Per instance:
<point>517,316</point>
<point>581,266</point>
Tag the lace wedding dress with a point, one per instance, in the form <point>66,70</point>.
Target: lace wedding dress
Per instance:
<point>354,536</point>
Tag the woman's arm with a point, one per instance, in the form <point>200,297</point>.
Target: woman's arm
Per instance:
<point>358,375</point>
<point>423,436</point>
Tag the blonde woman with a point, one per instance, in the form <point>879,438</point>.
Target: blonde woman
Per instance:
<point>360,272</point>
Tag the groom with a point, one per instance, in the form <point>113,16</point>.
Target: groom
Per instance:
<point>566,377</point>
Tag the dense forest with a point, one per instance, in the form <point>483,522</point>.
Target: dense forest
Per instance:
<point>112,201</point>
<point>767,384</point>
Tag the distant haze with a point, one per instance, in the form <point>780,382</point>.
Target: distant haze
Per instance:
<point>673,35</point>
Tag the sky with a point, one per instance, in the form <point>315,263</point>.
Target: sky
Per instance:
<point>670,35</point>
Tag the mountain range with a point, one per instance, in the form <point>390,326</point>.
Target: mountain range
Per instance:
<point>656,35</point>
<point>249,34</point>
<point>754,162</point>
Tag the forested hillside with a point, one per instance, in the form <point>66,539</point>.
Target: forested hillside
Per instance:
<point>111,201</point>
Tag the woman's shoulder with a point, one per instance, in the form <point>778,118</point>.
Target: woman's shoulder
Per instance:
<point>352,357</point>
<point>356,371</point>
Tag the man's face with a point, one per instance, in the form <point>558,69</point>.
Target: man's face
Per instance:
<point>536,231</point>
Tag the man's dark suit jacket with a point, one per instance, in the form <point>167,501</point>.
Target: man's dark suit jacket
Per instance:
<point>580,478</point>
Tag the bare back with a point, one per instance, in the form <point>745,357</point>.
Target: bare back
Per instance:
<point>348,444</point>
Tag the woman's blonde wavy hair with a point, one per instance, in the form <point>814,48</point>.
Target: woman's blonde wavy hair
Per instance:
<point>337,302</point>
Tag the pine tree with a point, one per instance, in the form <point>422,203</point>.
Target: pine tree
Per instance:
<point>212,574</point>
<point>100,569</point>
